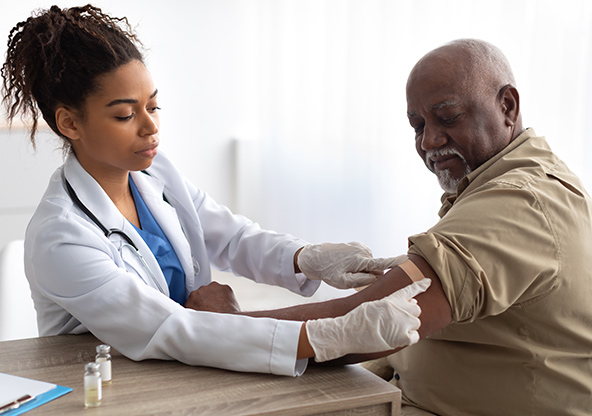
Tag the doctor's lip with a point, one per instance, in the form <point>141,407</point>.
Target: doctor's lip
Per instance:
<point>149,151</point>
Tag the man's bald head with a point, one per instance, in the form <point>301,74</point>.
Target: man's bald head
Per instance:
<point>481,65</point>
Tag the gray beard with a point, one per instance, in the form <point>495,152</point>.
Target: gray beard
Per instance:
<point>447,182</point>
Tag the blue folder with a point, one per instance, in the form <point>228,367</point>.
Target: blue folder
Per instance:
<point>38,400</point>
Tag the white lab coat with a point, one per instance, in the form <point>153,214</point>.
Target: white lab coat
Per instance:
<point>81,281</point>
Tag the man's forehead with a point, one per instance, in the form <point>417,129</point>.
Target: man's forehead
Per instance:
<point>434,87</point>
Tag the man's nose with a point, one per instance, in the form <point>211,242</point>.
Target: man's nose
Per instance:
<point>433,138</point>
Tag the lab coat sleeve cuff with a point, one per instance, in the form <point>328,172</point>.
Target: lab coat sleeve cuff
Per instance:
<point>297,283</point>
<point>284,350</point>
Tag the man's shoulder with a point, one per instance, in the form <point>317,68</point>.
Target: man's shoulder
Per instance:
<point>547,176</point>
<point>528,162</point>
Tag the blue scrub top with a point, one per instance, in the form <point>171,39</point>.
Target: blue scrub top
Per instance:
<point>160,246</point>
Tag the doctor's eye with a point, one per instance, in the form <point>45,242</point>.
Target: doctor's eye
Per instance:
<point>124,118</point>
<point>154,109</point>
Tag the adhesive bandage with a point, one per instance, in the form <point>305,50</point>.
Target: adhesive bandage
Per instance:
<point>411,270</point>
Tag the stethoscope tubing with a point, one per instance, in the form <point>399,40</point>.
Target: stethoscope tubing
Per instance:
<point>111,231</point>
<point>108,232</point>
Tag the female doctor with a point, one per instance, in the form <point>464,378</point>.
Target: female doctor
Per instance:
<point>121,239</point>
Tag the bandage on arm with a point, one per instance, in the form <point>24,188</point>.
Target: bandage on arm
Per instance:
<point>435,309</point>
<point>436,312</point>
<point>412,271</point>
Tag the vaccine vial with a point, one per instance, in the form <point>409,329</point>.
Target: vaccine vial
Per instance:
<point>93,393</point>
<point>103,358</point>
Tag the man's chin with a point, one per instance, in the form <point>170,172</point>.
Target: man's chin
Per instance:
<point>447,182</point>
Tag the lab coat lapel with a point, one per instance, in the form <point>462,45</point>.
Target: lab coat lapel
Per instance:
<point>152,189</point>
<point>178,194</point>
<point>98,202</point>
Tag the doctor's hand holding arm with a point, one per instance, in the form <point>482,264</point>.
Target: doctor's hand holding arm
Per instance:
<point>342,265</point>
<point>375,326</point>
<point>435,308</point>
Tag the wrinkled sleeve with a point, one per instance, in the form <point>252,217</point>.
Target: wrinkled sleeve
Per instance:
<point>233,242</point>
<point>239,245</point>
<point>493,249</point>
<point>76,279</point>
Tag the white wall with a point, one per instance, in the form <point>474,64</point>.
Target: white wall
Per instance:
<point>216,64</point>
<point>24,179</point>
<point>195,57</point>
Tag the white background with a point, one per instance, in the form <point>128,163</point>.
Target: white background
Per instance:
<point>292,112</point>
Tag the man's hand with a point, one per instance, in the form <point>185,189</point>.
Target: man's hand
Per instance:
<point>214,297</point>
<point>343,266</point>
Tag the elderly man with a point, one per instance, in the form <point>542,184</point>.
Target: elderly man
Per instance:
<point>506,323</point>
<point>512,250</point>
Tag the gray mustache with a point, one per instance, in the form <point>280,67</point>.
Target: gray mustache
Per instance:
<point>443,152</point>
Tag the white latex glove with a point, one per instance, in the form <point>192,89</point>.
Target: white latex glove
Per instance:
<point>376,326</point>
<point>343,265</point>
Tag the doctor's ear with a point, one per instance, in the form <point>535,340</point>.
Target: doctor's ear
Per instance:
<point>67,121</point>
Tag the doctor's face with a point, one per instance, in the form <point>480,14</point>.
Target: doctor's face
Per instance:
<point>118,131</point>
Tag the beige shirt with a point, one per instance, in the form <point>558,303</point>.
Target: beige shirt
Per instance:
<point>513,249</point>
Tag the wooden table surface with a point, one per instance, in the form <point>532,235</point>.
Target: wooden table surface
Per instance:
<point>172,388</point>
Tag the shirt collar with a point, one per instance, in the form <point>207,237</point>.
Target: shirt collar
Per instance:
<point>483,173</point>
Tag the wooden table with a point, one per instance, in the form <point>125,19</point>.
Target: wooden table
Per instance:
<point>172,388</point>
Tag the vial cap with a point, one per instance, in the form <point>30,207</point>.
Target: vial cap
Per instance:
<point>92,367</point>
<point>103,349</point>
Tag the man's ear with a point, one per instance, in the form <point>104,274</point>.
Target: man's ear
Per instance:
<point>66,121</point>
<point>510,101</point>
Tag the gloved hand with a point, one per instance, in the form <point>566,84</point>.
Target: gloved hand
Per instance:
<point>376,326</point>
<point>343,265</point>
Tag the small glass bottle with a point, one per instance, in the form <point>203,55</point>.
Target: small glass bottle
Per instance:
<point>104,359</point>
<point>93,392</point>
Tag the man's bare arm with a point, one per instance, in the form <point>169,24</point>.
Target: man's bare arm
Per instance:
<point>436,313</point>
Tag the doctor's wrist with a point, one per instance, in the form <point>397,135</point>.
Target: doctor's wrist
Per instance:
<point>296,268</point>
<point>305,349</point>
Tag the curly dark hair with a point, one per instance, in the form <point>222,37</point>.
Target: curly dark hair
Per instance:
<point>55,57</point>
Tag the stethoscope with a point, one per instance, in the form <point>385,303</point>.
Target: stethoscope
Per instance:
<point>128,242</point>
